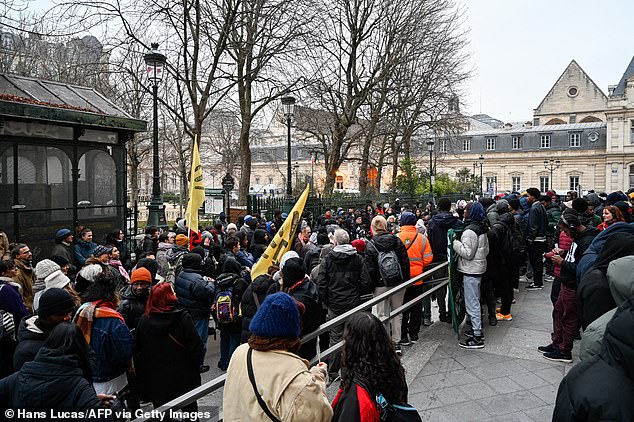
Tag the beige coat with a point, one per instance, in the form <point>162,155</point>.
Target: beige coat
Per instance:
<point>25,278</point>
<point>290,390</point>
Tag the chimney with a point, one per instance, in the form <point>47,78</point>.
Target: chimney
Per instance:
<point>528,125</point>
<point>611,89</point>
<point>508,126</point>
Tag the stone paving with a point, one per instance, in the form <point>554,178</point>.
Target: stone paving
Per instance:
<point>508,380</point>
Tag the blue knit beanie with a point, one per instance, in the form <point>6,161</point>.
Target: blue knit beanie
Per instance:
<point>278,316</point>
<point>408,219</point>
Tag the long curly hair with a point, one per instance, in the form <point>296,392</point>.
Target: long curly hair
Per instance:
<point>369,358</point>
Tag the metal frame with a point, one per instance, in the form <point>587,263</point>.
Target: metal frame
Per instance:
<point>216,383</point>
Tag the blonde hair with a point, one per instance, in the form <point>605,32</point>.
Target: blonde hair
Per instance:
<point>378,224</point>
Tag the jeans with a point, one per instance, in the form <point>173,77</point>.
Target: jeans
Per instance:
<point>536,257</point>
<point>565,319</point>
<point>202,328</point>
<point>396,300</point>
<point>425,304</point>
<point>336,335</point>
<point>229,342</point>
<point>487,292</point>
<point>412,317</point>
<point>472,301</point>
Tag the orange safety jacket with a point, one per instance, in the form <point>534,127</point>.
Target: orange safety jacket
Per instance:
<point>418,250</point>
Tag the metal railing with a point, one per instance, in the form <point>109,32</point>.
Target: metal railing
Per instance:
<point>216,383</point>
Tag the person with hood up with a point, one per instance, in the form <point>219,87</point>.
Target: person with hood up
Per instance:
<point>260,242</point>
<point>420,256</point>
<point>134,297</point>
<point>56,306</point>
<point>172,372</point>
<point>601,388</point>
<point>565,314</point>
<point>58,379</point>
<point>502,265</point>
<point>343,279</point>
<point>266,380</point>
<point>472,249</point>
<point>437,229</point>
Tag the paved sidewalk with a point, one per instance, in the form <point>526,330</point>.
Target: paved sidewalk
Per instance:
<point>507,380</point>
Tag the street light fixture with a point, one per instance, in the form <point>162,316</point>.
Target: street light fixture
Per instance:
<point>430,148</point>
<point>288,103</point>
<point>551,165</point>
<point>155,63</point>
<point>481,160</point>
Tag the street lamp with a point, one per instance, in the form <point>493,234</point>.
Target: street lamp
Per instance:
<point>155,62</point>
<point>430,148</point>
<point>288,103</point>
<point>481,160</point>
<point>551,165</point>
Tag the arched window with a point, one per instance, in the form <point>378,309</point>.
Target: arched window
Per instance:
<point>555,121</point>
<point>590,119</point>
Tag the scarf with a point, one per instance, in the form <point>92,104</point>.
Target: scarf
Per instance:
<point>118,265</point>
<point>90,311</point>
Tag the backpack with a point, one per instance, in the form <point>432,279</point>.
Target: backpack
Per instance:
<point>174,269</point>
<point>516,241</point>
<point>392,412</point>
<point>225,308</point>
<point>389,266</point>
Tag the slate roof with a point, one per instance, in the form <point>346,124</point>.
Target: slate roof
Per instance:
<point>542,128</point>
<point>619,91</point>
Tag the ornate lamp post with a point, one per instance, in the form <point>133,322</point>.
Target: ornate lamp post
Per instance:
<point>551,165</point>
<point>430,148</point>
<point>481,160</point>
<point>288,103</point>
<point>155,62</point>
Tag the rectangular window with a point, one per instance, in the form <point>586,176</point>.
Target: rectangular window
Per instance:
<point>575,139</point>
<point>257,180</point>
<point>632,176</point>
<point>516,183</point>
<point>517,142</point>
<point>466,145</point>
<point>544,183</point>
<point>443,146</point>
<point>545,142</point>
<point>631,131</point>
<point>572,118</point>
<point>270,180</point>
<point>490,144</point>
<point>574,183</point>
<point>492,182</point>
<point>339,182</point>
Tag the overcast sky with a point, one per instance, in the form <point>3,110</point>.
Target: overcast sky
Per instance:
<point>519,48</point>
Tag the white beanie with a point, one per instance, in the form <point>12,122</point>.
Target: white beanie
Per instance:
<point>44,268</point>
<point>91,272</point>
<point>420,227</point>
<point>57,279</point>
<point>288,255</point>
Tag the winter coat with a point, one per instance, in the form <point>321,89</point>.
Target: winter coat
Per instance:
<point>581,242</point>
<point>590,255</point>
<point>354,404</point>
<point>259,244</point>
<point>500,252</point>
<point>343,278</point>
<point>553,213</point>
<point>150,245</point>
<point>245,258</point>
<point>437,229</point>
<point>161,258</point>
<point>249,306</point>
<point>31,338</point>
<point>11,301</point>
<point>53,381</point>
<point>66,251</point>
<point>195,293</point>
<point>565,242</point>
<point>131,307</point>
<point>419,252</point>
<point>620,279</point>
<point>5,253</point>
<point>174,370</point>
<point>288,388</point>
<point>537,222</point>
<point>83,250</point>
<point>472,249</point>
<point>26,279</point>
<point>492,214</point>
<point>384,242</point>
<point>602,388</point>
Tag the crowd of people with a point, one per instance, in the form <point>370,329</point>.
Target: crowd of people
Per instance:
<point>94,320</point>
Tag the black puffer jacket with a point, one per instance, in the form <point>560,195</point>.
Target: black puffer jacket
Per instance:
<point>343,278</point>
<point>384,242</point>
<point>52,381</point>
<point>260,287</point>
<point>602,388</point>
<point>131,307</point>
<point>537,222</point>
<point>31,338</point>
<point>437,229</point>
<point>195,293</point>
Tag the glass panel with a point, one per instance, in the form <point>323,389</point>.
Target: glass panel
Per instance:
<point>37,230</point>
<point>6,176</point>
<point>97,185</point>
<point>101,220</point>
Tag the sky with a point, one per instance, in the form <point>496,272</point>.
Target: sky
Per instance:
<point>519,48</point>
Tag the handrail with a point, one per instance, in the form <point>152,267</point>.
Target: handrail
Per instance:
<point>218,382</point>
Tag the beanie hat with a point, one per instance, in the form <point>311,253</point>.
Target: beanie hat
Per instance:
<point>570,218</point>
<point>54,302</point>
<point>91,272</point>
<point>288,255</point>
<point>44,268</point>
<point>56,279</point>
<point>278,316</point>
<point>293,271</point>
<point>192,260</point>
<point>141,275</point>
<point>502,205</point>
<point>408,219</point>
<point>102,250</point>
<point>613,198</point>
<point>181,240</point>
<point>420,226</point>
<point>247,218</point>
<point>358,244</point>
<point>62,233</point>
<point>59,260</point>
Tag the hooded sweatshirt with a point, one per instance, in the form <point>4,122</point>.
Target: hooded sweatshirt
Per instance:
<point>437,229</point>
<point>31,338</point>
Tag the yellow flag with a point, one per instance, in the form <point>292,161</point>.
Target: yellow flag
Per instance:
<point>196,190</point>
<point>283,239</point>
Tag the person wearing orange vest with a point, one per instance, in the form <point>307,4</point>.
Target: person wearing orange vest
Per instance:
<point>420,255</point>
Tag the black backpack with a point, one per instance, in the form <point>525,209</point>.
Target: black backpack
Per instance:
<point>516,241</point>
<point>389,266</point>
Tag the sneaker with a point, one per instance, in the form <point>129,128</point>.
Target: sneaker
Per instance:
<point>413,338</point>
<point>549,278</point>
<point>534,286</point>
<point>558,356</point>
<point>472,343</point>
<point>404,341</point>
<point>514,301</point>
<point>515,291</point>
<point>501,317</point>
<point>205,368</point>
<point>398,350</point>
<point>427,322</point>
<point>493,321</point>
<point>547,349</point>
<point>469,333</point>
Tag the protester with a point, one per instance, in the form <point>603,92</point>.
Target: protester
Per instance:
<point>134,297</point>
<point>537,230</point>
<point>25,276</point>
<point>253,297</point>
<point>64,247</point>
<point>84,246</point>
